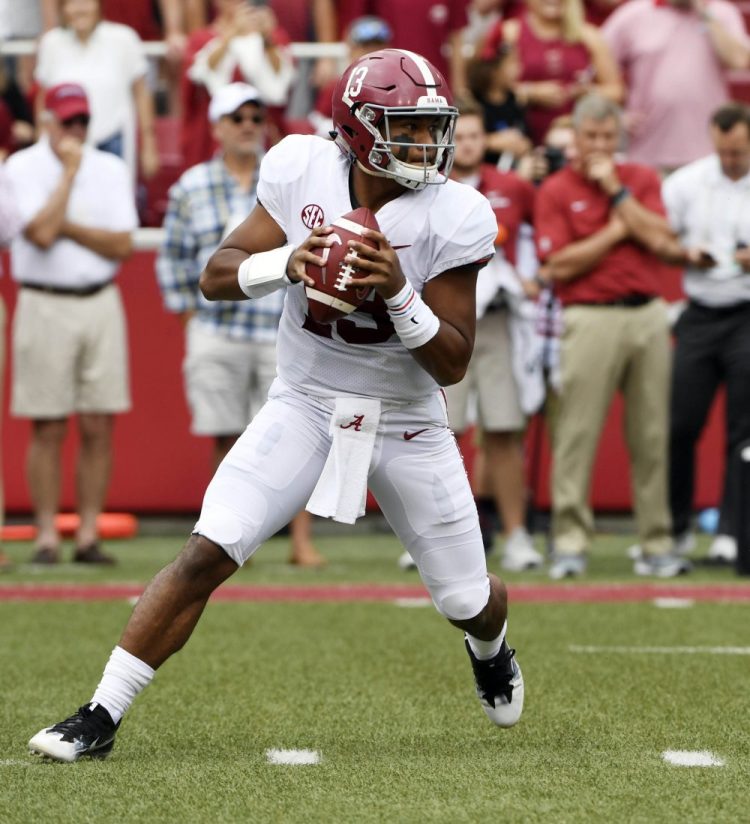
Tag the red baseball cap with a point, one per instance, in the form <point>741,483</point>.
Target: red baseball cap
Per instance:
<point>66,100</point>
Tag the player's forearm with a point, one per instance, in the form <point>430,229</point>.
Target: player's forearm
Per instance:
<point>446,357</point>
<point>219,279</point>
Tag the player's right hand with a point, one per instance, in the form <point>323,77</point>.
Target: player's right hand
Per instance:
<point>308,252</point>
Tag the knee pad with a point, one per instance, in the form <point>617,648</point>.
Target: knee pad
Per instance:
<point>236,535</point>
<point>461,604</point>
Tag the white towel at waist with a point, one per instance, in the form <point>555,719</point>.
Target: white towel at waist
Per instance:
<point>526,354</point>
<point>341,491</point>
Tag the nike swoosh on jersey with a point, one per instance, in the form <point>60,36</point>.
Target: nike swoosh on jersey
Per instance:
<point>404,246</point>
<point>409,435</point>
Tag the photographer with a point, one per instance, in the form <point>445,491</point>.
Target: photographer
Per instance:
<point>708,204</point>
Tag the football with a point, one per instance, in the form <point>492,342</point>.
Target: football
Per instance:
<point>335,293</point>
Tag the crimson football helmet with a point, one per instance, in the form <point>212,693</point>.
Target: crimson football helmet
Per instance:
<point>394,83</point>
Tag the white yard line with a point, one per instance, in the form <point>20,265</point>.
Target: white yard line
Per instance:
<point>293,757</point>
<point>412,602</point>
<point>663,650</point>
<point>673,603</point>
<point>692,758</point>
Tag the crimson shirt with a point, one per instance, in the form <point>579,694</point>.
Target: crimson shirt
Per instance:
<point>570,208</point>
<point>421,26</point>
<point>512,201</point>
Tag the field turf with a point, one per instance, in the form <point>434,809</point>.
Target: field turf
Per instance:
<point>384,694</point>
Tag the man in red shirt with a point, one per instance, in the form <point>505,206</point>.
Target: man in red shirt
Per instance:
<point>600,228</point>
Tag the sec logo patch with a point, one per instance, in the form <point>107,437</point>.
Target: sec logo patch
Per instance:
<point>312,215</point>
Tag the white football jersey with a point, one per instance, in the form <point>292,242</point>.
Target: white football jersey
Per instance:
<point>304,183</point>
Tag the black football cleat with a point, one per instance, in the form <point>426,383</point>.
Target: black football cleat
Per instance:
<point>89,732</point>
<point>499,686</point>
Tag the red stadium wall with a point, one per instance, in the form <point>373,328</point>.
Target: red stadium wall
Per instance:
<point>161,467</point>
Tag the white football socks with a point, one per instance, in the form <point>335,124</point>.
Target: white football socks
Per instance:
<point>485,650</point>
<point>124,677</point>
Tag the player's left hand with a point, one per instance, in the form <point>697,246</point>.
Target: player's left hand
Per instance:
<point>381,266</point>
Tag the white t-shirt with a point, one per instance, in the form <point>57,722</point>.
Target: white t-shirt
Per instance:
<point>439,228</point>
<point>711,211</point>
<point>106,65</point>
<point>101,197</point>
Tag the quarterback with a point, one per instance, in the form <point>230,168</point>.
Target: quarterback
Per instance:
<point>357,402</point>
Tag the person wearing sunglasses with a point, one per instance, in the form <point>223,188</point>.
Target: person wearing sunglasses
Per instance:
<point>69,342</point>
<point>230,348</point>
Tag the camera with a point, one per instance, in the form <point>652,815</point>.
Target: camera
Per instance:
<point>555,158</point>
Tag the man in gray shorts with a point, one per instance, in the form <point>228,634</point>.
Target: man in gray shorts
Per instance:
<point>69,339</point>
<point>230,359</point>
<point>493,380</point>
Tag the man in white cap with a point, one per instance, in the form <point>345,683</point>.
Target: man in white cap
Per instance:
<point>230,359</point>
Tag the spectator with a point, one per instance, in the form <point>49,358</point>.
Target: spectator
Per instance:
<point>107,60</point>
<point>69,347</point>
<point>231,352</point>
<point>243,43</point>
<point>303,21</point>
<point>16,119</point>
<point>492,79</point>
<point>10,225</point>
<point>499,374</point>
<point>557,150</point>
<point>708,202</point>
<point>676,55</point>
<point>562,58</point>
<point>434,30</point>
<point>364,35</point>
<point>599,226</point>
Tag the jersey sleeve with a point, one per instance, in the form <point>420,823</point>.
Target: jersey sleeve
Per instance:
<point>467,239</point>
<point>283,165</point>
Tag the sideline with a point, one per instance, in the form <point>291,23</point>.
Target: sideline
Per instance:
<point>519,593</point>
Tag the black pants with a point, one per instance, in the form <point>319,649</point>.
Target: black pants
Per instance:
<point>713,347</point>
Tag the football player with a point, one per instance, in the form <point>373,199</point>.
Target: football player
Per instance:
<point>361,394</point>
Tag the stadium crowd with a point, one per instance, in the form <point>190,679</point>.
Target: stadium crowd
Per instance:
<point>602,133</point>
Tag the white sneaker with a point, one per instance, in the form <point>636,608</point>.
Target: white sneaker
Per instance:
<point>683,545</point>
<point>567,566</point>
<point>499,686</point>
<point>724,549</point>
<point>406,562</point>
<point>662,566</point>
<point>519,553</point>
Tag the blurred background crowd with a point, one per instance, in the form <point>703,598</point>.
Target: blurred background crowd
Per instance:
<point>164,80</point>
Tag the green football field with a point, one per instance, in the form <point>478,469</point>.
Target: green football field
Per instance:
<point>380,692</point>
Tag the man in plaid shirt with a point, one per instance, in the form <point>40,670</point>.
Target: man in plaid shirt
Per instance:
<point>230,358</point>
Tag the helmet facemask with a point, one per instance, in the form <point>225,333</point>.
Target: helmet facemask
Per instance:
<point>384,159</point>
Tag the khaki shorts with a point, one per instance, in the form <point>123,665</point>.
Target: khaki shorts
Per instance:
<point>226,380</point>
<point>69,354</point>
<point>489,381</point>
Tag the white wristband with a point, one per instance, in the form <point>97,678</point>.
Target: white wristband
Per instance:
<point>264,272</point>
<point>415,323</point>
